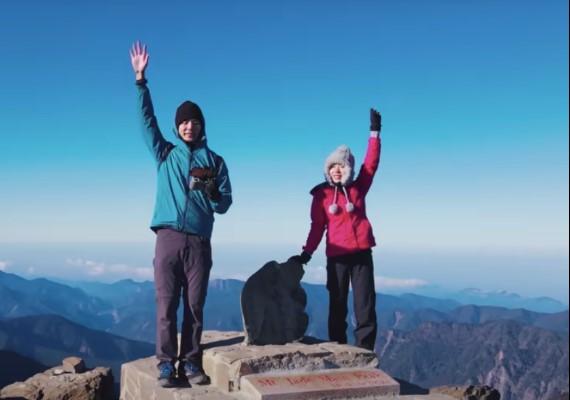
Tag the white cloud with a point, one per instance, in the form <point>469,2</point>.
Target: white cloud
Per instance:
<point>318,274</point>
<point>4,265</point>
<point>383,282</point>
<point>239,277</point>
<point>96,268</point>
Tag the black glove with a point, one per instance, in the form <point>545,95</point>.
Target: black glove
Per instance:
<point>211,190</point>
<point>375,120</point>
<point>302,258</point>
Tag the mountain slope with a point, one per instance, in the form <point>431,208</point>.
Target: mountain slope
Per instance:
<point>15,367</point>
<point>50,338</point>
<point>522,362</point>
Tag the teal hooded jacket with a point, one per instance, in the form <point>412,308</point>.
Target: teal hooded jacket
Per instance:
<point>177,207</point>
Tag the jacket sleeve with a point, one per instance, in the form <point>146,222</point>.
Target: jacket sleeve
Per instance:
<point>158,146</point>
<point>318,225</point>
<point>224,187</point>
<point>370,165</point>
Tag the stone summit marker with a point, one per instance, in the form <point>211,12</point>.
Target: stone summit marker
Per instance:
<point>340,383</point>
<point>273,304</point>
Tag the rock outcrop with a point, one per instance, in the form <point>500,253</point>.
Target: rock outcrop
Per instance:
<point>470,392</point>
<point>59,383</point>
<point>273,304</point>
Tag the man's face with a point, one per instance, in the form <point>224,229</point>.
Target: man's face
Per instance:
<point>190,130</point>
<point>335,172</point>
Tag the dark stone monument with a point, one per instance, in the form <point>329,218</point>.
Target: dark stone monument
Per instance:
<point>273,304</point>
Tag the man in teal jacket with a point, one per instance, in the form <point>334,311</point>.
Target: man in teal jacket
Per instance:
<point>192,185</point>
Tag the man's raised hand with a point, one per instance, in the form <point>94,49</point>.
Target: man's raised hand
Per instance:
<point>139,59</point>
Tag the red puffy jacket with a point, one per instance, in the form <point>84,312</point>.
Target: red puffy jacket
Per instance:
<point>347,232</point>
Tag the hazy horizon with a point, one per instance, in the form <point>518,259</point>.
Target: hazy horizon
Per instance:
<point>397,270</point>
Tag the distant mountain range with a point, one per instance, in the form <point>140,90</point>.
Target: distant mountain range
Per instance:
<point>499,298</point>
<point>20,297</point>
<point>127,308</point>
<point>447,299</point>
<point>423,340</point>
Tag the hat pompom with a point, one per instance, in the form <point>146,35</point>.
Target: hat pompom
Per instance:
<point>333,209</point>
<point>349,207</point>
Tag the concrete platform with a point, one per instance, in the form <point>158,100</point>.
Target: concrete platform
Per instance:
<point>138,382</point>
<point>236,370</point>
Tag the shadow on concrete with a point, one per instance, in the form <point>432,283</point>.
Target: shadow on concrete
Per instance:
<point>240,339</point>
<point>311,340</point>
<point>226,342</point>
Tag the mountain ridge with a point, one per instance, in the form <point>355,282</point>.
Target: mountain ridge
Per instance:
<point>522,362</point>
<point>48,339</point>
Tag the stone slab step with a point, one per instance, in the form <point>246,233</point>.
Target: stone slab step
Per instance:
<point>139,382</point>
<point>430,396</point>
<point>355,383</point>
<point>226,364</point>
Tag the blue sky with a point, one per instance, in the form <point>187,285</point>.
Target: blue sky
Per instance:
<point>474,97</point>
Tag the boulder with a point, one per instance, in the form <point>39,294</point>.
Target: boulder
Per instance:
<point>73,365</point>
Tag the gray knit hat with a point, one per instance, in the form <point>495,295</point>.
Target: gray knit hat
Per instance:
<point>343,156</point>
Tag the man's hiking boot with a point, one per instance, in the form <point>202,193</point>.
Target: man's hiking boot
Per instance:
<point>166,374</point>
<point>193,373</point>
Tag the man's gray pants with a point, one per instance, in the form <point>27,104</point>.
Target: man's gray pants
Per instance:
<point>182,264</point>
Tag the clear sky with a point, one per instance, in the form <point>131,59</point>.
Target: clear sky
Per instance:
<point>474,98</point>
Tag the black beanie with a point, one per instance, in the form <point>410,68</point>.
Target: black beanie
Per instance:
<point>187,111</point>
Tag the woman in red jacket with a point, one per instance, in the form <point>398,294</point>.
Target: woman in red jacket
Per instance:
<point>339,208</point>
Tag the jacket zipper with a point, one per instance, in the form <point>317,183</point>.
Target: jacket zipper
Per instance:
<point>187,200</point>
<point>349,216</point>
